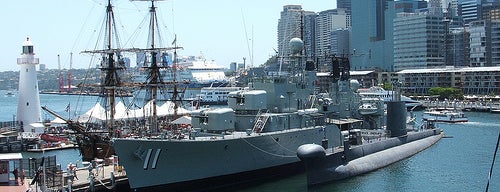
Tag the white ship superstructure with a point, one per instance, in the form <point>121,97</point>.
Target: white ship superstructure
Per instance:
<point>386,95</point>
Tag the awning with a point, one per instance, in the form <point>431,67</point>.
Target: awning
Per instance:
<point>10,156</point>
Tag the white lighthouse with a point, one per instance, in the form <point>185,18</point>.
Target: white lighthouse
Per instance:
<point>28,107</point>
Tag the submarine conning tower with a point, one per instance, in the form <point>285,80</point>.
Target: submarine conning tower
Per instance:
<point>396,114</point>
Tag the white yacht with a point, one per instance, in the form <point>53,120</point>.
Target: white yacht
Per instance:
<point>379,92</point>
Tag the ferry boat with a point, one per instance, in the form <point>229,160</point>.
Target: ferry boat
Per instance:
<point>445,115</point>
<point>386,95</point>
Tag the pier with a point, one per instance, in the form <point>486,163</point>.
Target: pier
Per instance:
<point>104,178</point>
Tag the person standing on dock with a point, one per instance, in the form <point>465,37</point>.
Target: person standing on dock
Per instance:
<point>74,173</point>
<point>16,174</point>
<point>22,176</point>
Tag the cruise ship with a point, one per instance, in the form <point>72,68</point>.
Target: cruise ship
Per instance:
<point>194,71</point>
<point>379,92</point>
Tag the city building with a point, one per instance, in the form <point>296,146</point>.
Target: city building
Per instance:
<point>471,80</point>
<point>484,43</point>
<point>345,4</point>
<point>340,42</point>
<point>459,50</point>
<point>308,37</point>
<point>289,26</point>
<point>470,10</point>
<point>372,39</point>
<point>327,22</point>
<point>418,41</point>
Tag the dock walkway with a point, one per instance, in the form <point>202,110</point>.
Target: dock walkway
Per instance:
<point>102,180</point>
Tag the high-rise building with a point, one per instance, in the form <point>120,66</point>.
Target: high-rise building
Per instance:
<point>450,6</point>
<point>327,22</point>
<point>340,42</point>
<point>345,4</point>
<point>470,10</point>
<point>484,43</point>
<point>418,41</point>
<point>459,49</point>
<point>309,33</point>
<point>491,11</point>
<point>289,26</point>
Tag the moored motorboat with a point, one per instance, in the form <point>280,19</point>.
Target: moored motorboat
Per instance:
<point>445,115</point>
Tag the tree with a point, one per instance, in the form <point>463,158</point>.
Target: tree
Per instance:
<point>446,92</point>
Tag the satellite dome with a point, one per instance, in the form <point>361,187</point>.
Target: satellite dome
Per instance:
<point>296,45</point>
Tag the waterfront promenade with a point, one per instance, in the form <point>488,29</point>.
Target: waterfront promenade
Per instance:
<point>479,106</point>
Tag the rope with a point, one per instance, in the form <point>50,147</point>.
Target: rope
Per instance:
<point>282,145</point>
<point>269,153</point>
<point>110,188</point>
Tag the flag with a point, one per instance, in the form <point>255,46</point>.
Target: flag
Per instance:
<point>68,107</point>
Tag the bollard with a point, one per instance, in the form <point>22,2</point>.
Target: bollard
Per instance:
<point>91,184</point>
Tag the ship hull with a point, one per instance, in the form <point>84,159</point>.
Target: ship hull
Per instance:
<point>326,167</point>
<point>166,163</point>
<point>101,150</point>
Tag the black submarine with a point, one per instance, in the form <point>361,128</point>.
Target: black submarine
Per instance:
<point>364,150</point>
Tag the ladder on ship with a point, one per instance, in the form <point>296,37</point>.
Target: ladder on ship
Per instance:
<point>260,122</point>
<point>311,101</point>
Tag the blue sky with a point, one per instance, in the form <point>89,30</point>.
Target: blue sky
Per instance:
<point>217,29</point>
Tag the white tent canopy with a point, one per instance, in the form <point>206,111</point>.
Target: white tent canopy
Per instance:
<point>98,113</point>
<point>57,120</point>
<point>182,120</point>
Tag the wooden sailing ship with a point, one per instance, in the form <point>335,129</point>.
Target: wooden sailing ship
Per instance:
<point>96,141</point>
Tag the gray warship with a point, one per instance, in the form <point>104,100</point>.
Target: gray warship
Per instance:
<point>254,137</point>
<point>365,150</point>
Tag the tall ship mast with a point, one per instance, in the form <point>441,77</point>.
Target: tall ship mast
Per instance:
<point>95,143</point>
<point>118,120</point>
<point>154,66</point>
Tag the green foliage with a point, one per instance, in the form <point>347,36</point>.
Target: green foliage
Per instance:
<point>387,86</point>
<point>446,92</point>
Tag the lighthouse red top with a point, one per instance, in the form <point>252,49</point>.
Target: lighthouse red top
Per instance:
<point>28,47</point>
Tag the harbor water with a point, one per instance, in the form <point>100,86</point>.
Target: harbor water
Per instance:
<point>459,162</point>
